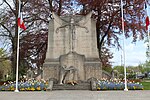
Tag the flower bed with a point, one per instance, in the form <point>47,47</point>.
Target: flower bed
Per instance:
<point>117,85</point>
<point>29,85</point>
<point>41,85</point>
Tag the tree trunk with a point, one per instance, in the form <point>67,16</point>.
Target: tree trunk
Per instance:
<point>98,34</point>
<point>50,5</point>
<point>60,7</point>
<point>14,58</point>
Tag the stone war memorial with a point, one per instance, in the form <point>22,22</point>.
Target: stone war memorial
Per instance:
<point>72,53</point>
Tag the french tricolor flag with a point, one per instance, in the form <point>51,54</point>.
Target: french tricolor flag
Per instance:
<point>21,23</point>
<point>147,17</point>
<point>20,20</point>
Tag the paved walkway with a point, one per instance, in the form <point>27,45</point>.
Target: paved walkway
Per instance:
<point>77,95</point>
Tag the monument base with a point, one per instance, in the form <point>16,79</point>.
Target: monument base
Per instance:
<point>87,67</point>
<point>51,69</point>
<point>93,68</point>
<point>82,85</point>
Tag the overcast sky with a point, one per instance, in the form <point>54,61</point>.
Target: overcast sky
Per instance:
<point>135,54</point>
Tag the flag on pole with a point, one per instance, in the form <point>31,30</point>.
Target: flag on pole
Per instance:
<point>123,51</point>
<point>21,23</point>
<point>147,22</point>
<point>147,17</point>
<point>20,20</point>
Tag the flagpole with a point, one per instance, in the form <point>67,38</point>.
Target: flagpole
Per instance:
<point>125,76</point>
<point>16,90</point>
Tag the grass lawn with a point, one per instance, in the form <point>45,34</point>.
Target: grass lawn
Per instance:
<point>146,85</point>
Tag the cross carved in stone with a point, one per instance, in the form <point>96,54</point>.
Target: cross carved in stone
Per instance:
<point>72,25</point>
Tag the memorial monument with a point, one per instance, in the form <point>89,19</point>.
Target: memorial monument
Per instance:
<point>72,53</point>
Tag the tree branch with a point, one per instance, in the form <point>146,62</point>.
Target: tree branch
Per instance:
<point>6,28</point>
<point>10,7</point>
<point>103,37</point>
<point>2,3</point>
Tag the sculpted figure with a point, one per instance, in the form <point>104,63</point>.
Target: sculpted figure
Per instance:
<point>72,24</point>
<point>71,72</point>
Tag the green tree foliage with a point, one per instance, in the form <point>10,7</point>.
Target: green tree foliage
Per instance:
<point>120,69</point>
<point>5,65</point>
<point>144,67</point>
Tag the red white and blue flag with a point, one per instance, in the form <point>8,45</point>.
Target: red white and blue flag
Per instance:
<point>21,23</point>
<point>147,17</point>
<point>20,20</point>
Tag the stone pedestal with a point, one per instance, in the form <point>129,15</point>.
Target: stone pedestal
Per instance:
<point>88,67</point>
<point>51,69</point>
<point>93,68</point>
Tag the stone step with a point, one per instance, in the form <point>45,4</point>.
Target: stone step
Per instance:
<point>81,86</point>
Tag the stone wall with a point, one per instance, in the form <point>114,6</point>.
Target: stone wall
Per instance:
<point>93,69</point>
<point>51,69</point>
